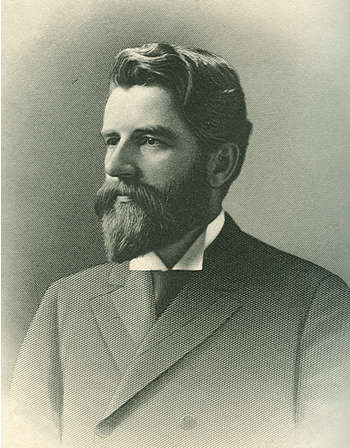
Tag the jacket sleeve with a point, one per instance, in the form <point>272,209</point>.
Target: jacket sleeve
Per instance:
<point>323,399</point>
<point>37,386</point>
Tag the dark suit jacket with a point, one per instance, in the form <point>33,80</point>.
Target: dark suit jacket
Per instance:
<point>255,342</point>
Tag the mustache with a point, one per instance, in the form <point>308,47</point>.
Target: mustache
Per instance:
<point>152,201</point>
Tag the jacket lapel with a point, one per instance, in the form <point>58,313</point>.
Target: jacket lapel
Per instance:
<point>126,312</point>
<point>194,299</point>
<point>198,310</point>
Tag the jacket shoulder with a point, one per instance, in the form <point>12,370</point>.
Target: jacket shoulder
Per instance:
<point>285,270</point>
<point>238,256</point>
<point>235,248</point>
<point>278,260</point>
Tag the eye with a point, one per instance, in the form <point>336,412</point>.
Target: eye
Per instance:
<point>151,141</point>
<point>112,141</point>
<point>154,143</point>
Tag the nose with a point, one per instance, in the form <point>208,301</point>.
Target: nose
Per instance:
<point>119,162</point>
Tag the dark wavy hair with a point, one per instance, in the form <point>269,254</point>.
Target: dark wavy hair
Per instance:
<point>205,88</point>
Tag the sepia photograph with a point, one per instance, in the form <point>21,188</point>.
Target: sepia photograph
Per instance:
<point>175,224</point>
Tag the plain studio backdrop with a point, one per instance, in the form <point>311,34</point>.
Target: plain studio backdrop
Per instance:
<point>293,61</point>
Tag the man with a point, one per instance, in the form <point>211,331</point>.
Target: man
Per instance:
<point>194,333</point>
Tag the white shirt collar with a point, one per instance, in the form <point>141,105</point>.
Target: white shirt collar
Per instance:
<point>193,258</point>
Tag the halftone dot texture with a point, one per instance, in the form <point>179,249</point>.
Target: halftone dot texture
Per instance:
<point>253,343</point>
<point>293,63</point>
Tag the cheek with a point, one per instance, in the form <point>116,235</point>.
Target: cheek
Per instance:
<point>163,174</point>
<point>165,170</point>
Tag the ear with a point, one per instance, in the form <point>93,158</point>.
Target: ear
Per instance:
<point>222,164</point>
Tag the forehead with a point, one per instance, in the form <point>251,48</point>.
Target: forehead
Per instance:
<point>142,106</point>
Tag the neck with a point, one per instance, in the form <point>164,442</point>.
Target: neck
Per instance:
<point>172,253</point>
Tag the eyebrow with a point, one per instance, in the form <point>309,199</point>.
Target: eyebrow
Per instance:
<point>108,133</point>
<point>160,131</point>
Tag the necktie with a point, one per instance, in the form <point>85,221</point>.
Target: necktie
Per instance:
<point>167,284</point>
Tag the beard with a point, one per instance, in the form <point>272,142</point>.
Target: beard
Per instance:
<point>138,218</point>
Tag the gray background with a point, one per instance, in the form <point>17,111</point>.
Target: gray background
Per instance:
<point>293,61</point>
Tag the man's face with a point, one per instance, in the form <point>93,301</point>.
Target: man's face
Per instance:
<point>155,189</point>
